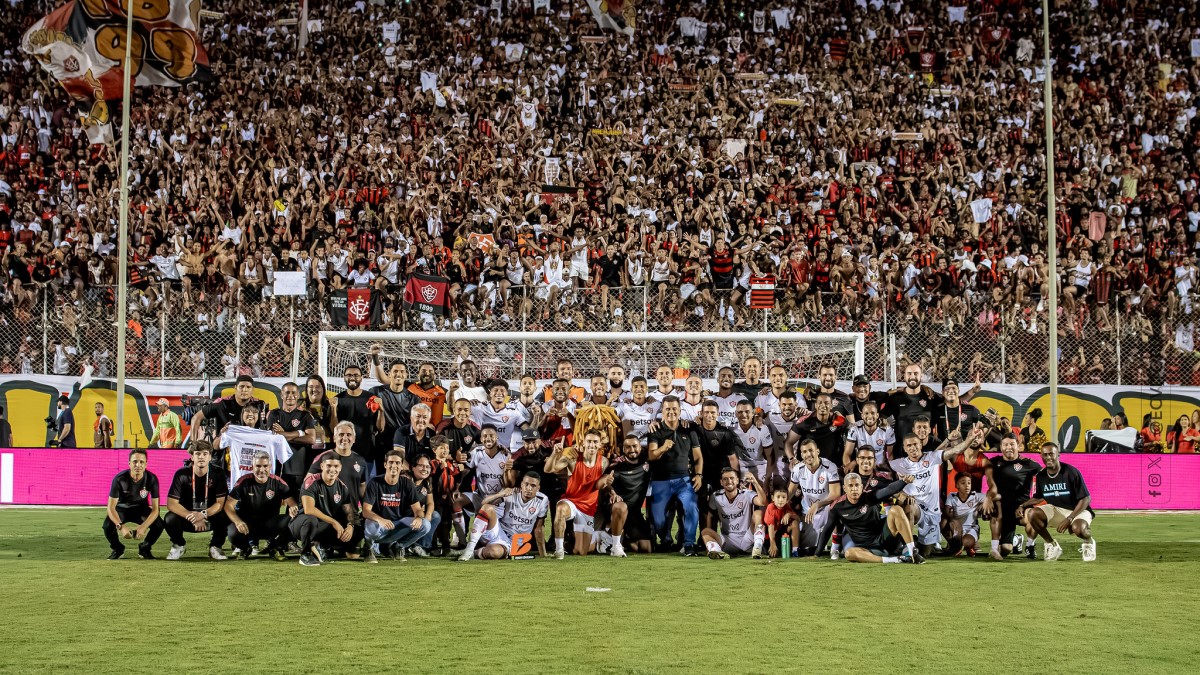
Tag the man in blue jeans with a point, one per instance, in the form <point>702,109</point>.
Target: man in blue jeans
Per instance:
<point>676,467</point>
<point>393,510</point>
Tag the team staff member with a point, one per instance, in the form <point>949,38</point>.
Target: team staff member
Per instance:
<point>429,392</point>
<point>630,482</point>
<point>414,441</point>
<point>397,402</point>
<point>353,466</point>
<point>1014,479</point>
<point>168,432</point>
<point>226,410</point>
<point>677,471</point>
<point>953,413</point>
<point>299,429</point>
<point>328,516</point>
<point>827,381</point>
<point>102,429</point>
<point>861,395</point>
<point>1061,500</point>
<point>906,403</point>
<point>133,498</point>
<point>459,429</point>
<point>196,501</point>
<point>64,434</point>
<point>253,511</point>
<point>824,427</point>
<point>361,409</point>
<point>394,513</point>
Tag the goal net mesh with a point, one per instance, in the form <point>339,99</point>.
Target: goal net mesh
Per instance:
<point>510,355</point>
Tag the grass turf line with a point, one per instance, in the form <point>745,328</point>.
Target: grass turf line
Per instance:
<point>65,607</point>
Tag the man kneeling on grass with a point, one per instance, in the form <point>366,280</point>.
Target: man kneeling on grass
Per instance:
<point>1061,500</point>
<point>739,512</point>
<point>506,514</point>
<point>867,539</point>
<point>133,498</point>
<point>329,517</point>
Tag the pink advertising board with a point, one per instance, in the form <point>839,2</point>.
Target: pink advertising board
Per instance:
<point>35,476</point>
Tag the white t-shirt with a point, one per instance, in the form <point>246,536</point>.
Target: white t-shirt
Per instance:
<point>243,442</point>
<point>927,478</point>
<point>963,512</point>
<point>489,471</point>
<point>518,516</point>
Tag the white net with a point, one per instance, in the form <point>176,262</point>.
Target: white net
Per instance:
<point>511,355</point>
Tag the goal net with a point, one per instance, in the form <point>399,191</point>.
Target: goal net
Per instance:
<point>510,355</point>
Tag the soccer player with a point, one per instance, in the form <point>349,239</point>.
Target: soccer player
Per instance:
<point>429,391</point>
<point>819,484</point>
<point>757,454</point>
<point>1060,500</point>
<point>352,469</point>
<point>867,433</point>
<point>959,523</point>
<point>751,385</point>
<point>506,514</point>
<point>926,469</point>
<point>676,470</point>
<point>102,429</point>
<point>780,424</point>
<point>361,409</point>
<point>727,398</point>
<point>780,518</point>
<point>195,503</point>
<point>467,385</point>
<point>328,517</point>
<point>630,481</point>
<point>558,415</point>
<point>906,403</point>
<point>299,429</point>
<point>489,461</point>
<point>953,413</point>
<point>823,427</point>
<point>639,412</point>
<point>394,513</point>
<point>664,377</point>
<point>507,417</point>
<point>769,399</point>
<point>133,498</point>
<point>740,516</point>
<point>252,508</point>
<point>868,537</point>
<point>1013,475</point>
<point>692,399</point>
<point>168,432</point>
<point>580,500</point>
<point>563,370</point>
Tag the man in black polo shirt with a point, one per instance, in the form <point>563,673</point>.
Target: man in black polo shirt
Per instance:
<point>253,511</point>
<point>196,501</point>
<point>953,413</point>
<point>719,446</point>
<point>1014,479</point>
<point>394,515</point>
<point>1060,500</point>
<point>299,429</point>
<point>226,410</point>
<point>826,384</point>
<point>133,498</point>
<point>826,428</point>
<point>752,383</point>
<point>906,403</point>
<point>328,517</point>
<point>354,467</point>
<point>413,441</point>
<point>861,395</point>
<point>676,470</point>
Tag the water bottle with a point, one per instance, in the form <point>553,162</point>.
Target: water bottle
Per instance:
<point>786,544</point>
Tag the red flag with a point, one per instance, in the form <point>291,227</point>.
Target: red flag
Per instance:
<point>426,293</point>
<point>358,306</point>
<point>762,291</point>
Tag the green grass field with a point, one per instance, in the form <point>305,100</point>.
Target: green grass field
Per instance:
<point>66,608</point>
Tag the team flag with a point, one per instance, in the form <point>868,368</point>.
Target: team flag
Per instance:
<point>82,44</point>
<point>426,293</point>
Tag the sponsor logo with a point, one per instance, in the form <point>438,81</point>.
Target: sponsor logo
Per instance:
<point>270,494</point>
<point>522,545</point>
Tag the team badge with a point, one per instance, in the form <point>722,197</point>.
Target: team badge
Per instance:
<point>922,401</point>
<point>862,509</point>
<point>337,498</point>
<point>467,440</point>
<point>357,468</point>
<point>833,427</point>
<point>504,418</point>
<point>879,442</point>
<point>925,463</point>
<point>270,494</point>
<point>1018,466</point>
<point>820,479</point>
<point>295,423</point>
<point>753,439</point>
<point>143,493</point>
<point>532,509</point>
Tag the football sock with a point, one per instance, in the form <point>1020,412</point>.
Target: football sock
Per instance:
<point>478,526</point>
<point>558,543</point>
<point>712,546</point>
<point>995,544</point>
<point>908,548</point>
<point>891,559</point>
<point>759,535</point>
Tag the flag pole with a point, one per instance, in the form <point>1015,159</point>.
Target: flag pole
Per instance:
<point>1051,227</point>
<point>123,233</point>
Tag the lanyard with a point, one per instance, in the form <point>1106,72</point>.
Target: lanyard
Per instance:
<point>207,482</point>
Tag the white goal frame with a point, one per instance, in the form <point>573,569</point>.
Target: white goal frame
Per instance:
<point>325,338</point>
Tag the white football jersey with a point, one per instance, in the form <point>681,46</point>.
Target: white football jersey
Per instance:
<point>754,441</point>
<point>639,416</point>
<point>506,420</point>
<point>963,512</point>
<point>769,403</point>
<point>518,516</point>
<point>878,440</point>
<point>689,412</point>
<point>926,487</point>
<point>737,516</point>
<point>568,405</point>
<point>814,485</point>
<point>489,471</point>
<point>726,406</point>
<point>657,396</point>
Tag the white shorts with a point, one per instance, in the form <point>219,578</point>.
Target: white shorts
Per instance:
<point>1055,515</point>
<point>929,526</point>
<point>735,544</point>
<point>579,269</point>
<point>760,470</point>
<point>496,536</point>
<point>969,529</point>
<point>686,291</point>
<point>584,523</point>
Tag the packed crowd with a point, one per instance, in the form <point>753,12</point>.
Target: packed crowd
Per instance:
<point>753,468</point>
<point>882,162</point>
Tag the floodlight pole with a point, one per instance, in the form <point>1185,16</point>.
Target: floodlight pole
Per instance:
<point>1051,228</point>
<point>123,233</point>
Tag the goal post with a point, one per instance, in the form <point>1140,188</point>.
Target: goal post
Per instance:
<point>509,355</point>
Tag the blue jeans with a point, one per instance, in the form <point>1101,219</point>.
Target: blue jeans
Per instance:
<point>434,521</point>
<point>402,534</point>
<point>661,492</point>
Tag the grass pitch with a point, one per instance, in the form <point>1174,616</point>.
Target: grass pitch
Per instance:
<point>66,608</point>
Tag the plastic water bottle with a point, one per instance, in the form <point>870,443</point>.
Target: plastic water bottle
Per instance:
<point>786,544</point>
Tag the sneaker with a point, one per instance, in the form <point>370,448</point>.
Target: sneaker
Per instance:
<point>1088,549</point>
<point>309,560</point>
<point>756,553</point>
<point>1051,550</point>
<point>420,552</point>
<point>558,554</point>
<point>469,554</point>
<point>617,551</point>
<point>216,554</point>
<point>397,552</point>
<point>294,547</point>
<point>603,546</point>
<point>834,553</point>
<point>255,553</point>
<point>715,554</point>
<point>1018,542</point>
<point>176,552</point>
<point>236,552</point>
<point>278,555</point>
<point>689,552</point>
<point>971,553</point>
<point>319,553</point>
<point>994,554</point>
<point>116,555</point>
<point>1031,551</point>
<point>145,553</point>
<point>915,558</point>
<point>371,556</point>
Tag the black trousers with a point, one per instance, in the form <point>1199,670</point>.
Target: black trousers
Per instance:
<point>113,535</point>
<point>309,530</point>
<point>294,482</point>
<point>177,525</point>
<point>273,530</point>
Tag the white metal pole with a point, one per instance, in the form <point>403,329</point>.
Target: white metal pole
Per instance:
<point>123,233</point>
<point>1051,208</point>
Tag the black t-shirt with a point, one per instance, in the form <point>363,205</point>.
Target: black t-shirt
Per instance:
<point>296,420</point>
<point>393,502</point>
<point>414,448</point>
<point>1014,479</point>
<point>532,457</point>
<point>750,391</point>
<point>131,494</point>
<point>259,500</point>
<point>631,481</point>
<point>198,492</point>
<point>460,439</point>
<point>905,408</point>
<point>610,270</point>
<point>676,462</point>
<point>877,480</point>
<point>64,418</point>
<point>716,445</point>
<point>838,398</point>
<point>862,520</point>
<point>397,405</point>
<point>354,409</point>
<point>829,436</point>
<point>852,407</point>
<point>947,418</point>
<point>227,410</point>
<point>1064,489</point>
<point>354,471</point>
<point>330,499</point>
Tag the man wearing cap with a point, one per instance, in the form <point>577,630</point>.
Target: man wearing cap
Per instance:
<point>64,433</point>
<point>861,395</point>
<point>953,413</point>
<point>168,433</point>
<point>226,410</point>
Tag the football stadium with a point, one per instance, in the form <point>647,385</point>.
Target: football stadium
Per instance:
<point>740,336</point>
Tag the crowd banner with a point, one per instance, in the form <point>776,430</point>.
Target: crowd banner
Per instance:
<point>30,400</point>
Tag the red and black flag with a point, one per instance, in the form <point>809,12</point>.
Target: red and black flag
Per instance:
<point>426,293</point>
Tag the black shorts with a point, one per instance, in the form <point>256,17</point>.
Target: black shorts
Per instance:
<point>887,544</point>
<point>636,527</point>
<point>1008,518</point>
